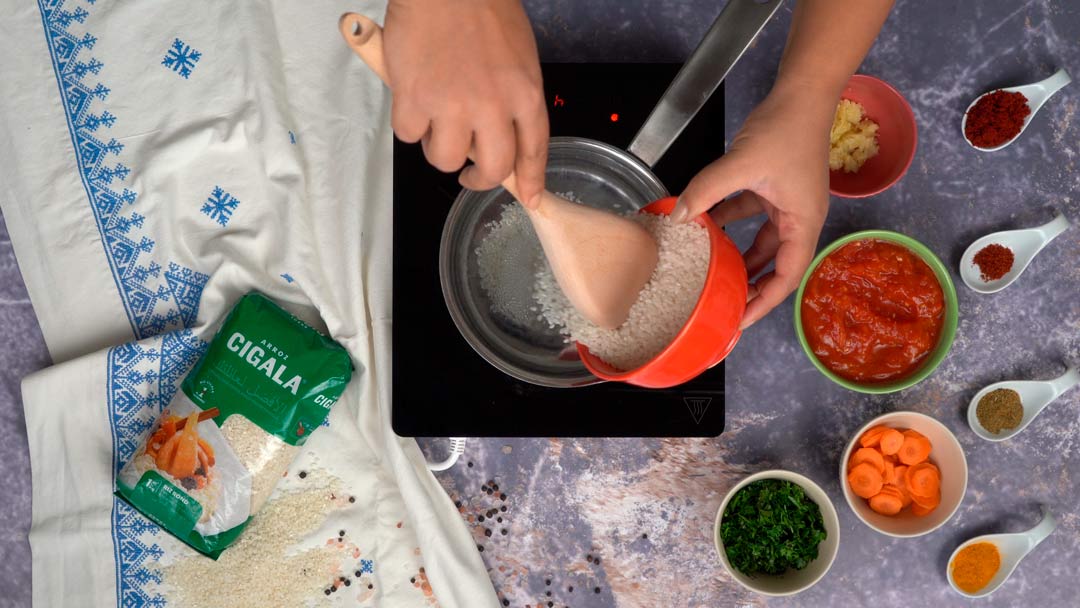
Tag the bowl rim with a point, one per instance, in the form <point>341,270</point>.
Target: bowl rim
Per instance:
<point>948,328</point>
<point>881,420</point>
<point>909,114</point>
<point>828,513</point>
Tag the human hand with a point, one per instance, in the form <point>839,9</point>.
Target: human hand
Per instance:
<point>465,74</point>
<point>780,162</point>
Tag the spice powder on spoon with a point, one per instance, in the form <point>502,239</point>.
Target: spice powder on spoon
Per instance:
<point>1000,410</point>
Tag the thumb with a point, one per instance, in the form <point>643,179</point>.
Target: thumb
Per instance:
<point>711,185</point>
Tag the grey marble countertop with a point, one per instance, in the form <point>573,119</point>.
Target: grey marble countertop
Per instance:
<point>628,522</point>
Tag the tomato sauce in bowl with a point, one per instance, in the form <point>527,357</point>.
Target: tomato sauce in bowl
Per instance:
<point>872,311</point>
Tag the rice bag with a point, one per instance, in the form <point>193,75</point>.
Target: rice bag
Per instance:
<point>213,457</point>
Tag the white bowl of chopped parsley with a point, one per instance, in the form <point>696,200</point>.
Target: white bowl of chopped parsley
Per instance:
<point>777,533</point>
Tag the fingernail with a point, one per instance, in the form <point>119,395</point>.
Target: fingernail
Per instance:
<point>680,212</point>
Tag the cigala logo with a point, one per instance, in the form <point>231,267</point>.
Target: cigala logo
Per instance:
<point>697,406</point>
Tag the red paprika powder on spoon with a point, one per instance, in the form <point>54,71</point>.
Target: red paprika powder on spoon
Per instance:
<point>996,118</point>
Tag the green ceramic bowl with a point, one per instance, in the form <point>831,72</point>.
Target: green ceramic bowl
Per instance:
<point>948,331</point>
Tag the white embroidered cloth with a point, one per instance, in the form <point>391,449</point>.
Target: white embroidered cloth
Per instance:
<point>158,161</point>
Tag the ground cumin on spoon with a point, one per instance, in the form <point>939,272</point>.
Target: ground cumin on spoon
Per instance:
<point>1000,410</point>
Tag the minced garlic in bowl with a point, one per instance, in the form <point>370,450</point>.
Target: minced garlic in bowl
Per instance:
<point>853,138</point>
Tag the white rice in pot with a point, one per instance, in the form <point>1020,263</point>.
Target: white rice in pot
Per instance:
<point>661,309</point>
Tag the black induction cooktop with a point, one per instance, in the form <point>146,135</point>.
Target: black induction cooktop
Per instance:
<point>441,387</point>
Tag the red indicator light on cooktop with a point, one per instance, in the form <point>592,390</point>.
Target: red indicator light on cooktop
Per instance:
<point>559,102</point>
<point>614,117</point>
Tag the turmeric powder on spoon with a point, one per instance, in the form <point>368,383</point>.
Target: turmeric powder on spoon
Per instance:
<point>975,566</point>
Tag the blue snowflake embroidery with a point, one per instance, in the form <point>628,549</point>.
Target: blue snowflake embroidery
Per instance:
<point>368,566</point>
<point>219,206</point>
<point>288,278</point>
<point>181,58</point>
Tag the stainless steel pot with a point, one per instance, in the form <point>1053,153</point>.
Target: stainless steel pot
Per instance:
<point>522,345</point>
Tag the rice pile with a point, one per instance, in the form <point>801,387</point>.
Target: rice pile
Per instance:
<point>264,567</point>
<point>656,317</point>
<point>265,456</point>
<point>508,258</point>
<point>661,309</point>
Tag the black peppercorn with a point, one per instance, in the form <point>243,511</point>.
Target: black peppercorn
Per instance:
<point>487,532</point>
<point>303,474</point>
<point>504,531</point>
<point>347,582</point>
<point>326,591</point>
<point>506,602</point>
<point>352,499</point>
<point>480,519</point>
<point>597,590</point>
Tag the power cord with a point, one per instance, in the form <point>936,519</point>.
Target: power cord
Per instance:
<point>457,448</point>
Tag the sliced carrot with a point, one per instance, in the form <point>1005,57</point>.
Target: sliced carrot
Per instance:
<point>923,479</point>
<point>890,458</point>
<point>899,471</point>
<point>905,497</point>
<point>871,436</point>
<point>865,480</point>
<point>919,510</point>
<point>870,455</point>
<point>886,503</point>
<point>890,442</point>
<point>890,473</point>
<point>927,502</point>
<point>914,449</point>
<point>912,433</point>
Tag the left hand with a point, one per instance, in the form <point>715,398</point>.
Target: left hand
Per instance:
<point>779,161</point>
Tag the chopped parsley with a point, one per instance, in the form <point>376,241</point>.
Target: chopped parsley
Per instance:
<point>769,526</point>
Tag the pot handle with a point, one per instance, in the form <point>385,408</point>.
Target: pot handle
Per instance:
<point>730,35</point>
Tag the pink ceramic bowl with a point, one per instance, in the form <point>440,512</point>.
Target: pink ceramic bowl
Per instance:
<point>897,139</point>
<point>712,329</point>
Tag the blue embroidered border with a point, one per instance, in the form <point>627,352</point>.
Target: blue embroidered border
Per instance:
<point>140,379</point>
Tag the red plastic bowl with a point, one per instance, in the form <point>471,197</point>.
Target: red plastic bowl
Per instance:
<point>897,139</point>
<point>712,329</point>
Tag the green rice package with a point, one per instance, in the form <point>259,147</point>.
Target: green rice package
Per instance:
<point>213,457</point>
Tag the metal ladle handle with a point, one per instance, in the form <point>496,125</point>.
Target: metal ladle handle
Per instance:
<point>730,35</point>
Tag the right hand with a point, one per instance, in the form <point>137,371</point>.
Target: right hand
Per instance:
<point>465,74</point>
<point>778,164</point>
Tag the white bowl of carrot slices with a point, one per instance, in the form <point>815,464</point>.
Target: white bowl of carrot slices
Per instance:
<point>904,474</point>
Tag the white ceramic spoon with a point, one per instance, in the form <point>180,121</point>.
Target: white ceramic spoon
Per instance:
<point>1034,395</point>
<point>1012,547</point>
<point>1025,244</point>
<point>1036,93</point>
